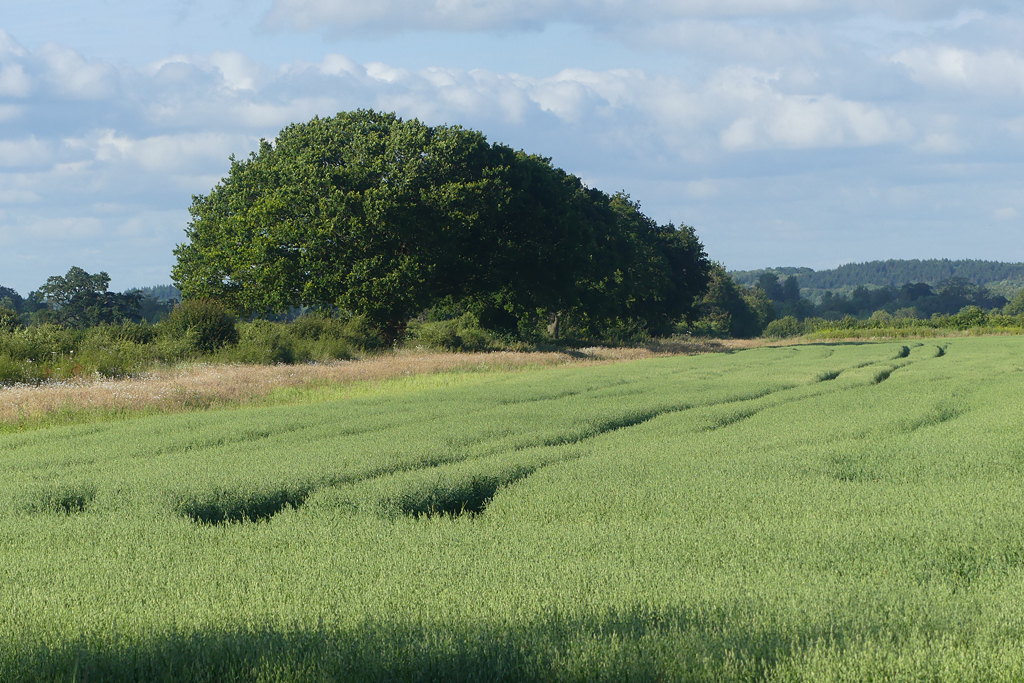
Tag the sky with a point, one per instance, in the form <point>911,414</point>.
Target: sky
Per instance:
<point>786,132</point>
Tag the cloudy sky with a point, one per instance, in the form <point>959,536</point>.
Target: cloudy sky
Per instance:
<point>787,132</point>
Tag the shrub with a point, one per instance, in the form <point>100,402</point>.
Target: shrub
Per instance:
<point>317,325</point>
<point>458,334</point>
<point>9,320</point>
<point>968,317</point>
<point>882,317</point>
<point>138,333</point>
<point>105,351</point>
<point>361,333</point>
<point>262,342</point>
<point>201,326</point>
<point>40,343</point>
<point>12,371</point>
<point>786,326</point>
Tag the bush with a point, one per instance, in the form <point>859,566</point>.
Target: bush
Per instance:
<point>138,333</point>
<point>968,317</point>
<point>40,343</point>
<point>9,320</point>
<point>458,334</point>
<point>12,371</point>
<point>107,352</point>
<point>361,333</point>
<point>314,326</point>
<point>881,317</point>
<point>786,326</point>
<point>201,326</point>
<point>262,342</point>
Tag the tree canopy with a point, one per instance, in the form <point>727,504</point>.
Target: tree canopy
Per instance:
<point>79,299</point>
<point>370,214</point>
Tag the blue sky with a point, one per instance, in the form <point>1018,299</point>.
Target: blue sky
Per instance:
<point>787,132</point>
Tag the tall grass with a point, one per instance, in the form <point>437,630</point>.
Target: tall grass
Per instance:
<point>777,514</point>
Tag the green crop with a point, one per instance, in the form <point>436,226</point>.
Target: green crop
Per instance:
<point>829,512</point>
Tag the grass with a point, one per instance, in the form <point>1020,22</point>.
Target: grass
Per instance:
<point>191,387</point>
<point>776,514</point>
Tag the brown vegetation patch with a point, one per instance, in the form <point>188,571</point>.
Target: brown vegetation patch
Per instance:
<point>198,387</point>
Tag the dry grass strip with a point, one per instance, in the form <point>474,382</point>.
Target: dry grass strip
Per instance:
<point>196,387</point>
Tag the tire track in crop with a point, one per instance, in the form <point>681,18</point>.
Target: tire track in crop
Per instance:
<point>472,494</point>
<point>481,488</point>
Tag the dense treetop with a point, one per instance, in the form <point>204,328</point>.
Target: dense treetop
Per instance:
<point>369,214</point>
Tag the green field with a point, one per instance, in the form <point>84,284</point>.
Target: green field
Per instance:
<point>821,512</point>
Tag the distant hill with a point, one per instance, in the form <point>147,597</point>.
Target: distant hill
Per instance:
<point>999,277</point>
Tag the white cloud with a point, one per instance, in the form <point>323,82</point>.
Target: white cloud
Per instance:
<point>234,70</point>
<point>161,153</point>
<point>382,72</point>
<point>773,119</point>
<point>731,41</point>
<point>804,122</point>
<point>152,136</point>
<point>48,230</point>
<point>14,82</point>
<point>1006,213</point>
<point>996,72</point>
<point>28,152</point>
<point>74,77</point>
<point>9,47</point>
<point>337,65</point>
<point>239,72</point>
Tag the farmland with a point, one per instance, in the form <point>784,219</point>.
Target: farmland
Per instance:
<point>844,511</point>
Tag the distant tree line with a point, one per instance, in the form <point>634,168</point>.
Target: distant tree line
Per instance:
<point>910,300</point>
<point>893,273</point>
<point>774,305</point>
<point>81,300</point>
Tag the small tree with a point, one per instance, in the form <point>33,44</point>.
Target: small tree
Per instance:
<point>727,309</point>
<point>79,299</point>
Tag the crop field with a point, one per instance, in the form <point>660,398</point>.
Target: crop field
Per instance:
<point>826,512</point>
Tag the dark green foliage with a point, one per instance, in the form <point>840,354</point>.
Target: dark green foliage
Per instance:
<point>263,342</point>
<point>9,319</point>
<point>784,327</point>
<point>138,333</point>
<point>909,300</point>
<point>81,300</point>
<point>11,299</point>
<point>457,334</point>
<point>203,325</point>
<point>385,218</point>
<point>767,282</point>
<point>730,310</point>
<point>1016,306</point>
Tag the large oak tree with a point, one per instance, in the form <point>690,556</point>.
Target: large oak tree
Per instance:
<point>373,215</point>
